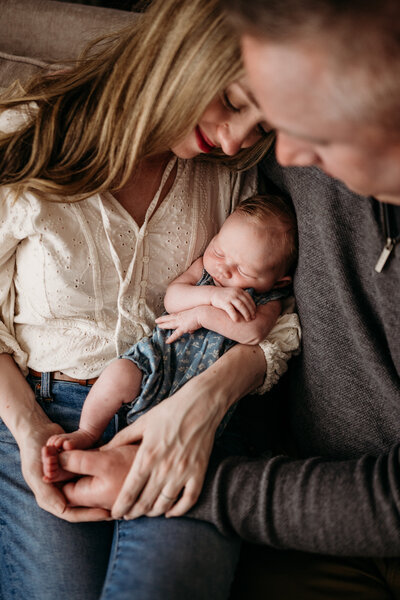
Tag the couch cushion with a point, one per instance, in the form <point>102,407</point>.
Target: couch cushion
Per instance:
<point>36,32</point>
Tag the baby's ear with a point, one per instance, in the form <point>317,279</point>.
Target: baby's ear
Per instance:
<point>283,282</point>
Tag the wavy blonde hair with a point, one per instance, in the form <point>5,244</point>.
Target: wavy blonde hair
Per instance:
<point>129,96</point>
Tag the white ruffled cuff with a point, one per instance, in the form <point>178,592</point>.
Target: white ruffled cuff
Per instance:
<point>282,343</point>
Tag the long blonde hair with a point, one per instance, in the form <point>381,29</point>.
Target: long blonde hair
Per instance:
<point>128,97</point>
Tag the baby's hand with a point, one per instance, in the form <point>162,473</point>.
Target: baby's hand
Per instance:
<point>185,321</point>
<point>235,302</point>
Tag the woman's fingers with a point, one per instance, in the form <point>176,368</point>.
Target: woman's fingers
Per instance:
<point>165,501</point>
<point>188,499</point>
<point>129,494</point>
<point>129,435</point>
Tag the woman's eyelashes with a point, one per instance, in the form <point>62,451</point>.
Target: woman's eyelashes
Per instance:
<point>232,106</point>
<point>229,104</point>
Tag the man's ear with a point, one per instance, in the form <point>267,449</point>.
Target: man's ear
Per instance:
<point>283,282</point>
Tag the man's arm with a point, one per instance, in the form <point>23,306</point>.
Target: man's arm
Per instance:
<point>343,508</point>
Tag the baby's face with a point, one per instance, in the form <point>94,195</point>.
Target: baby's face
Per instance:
<point>241,255</point>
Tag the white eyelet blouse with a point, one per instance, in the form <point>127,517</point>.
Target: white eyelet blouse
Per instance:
<point>81,282</point>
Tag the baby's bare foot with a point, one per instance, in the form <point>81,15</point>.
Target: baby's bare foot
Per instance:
<point>76,440</point>
<point>52,470</point>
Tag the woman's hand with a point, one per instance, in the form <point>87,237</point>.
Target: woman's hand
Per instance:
<point>49,496</point>
<point>176,438</point>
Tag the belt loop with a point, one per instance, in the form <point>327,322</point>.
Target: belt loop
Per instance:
<point>45,383</point>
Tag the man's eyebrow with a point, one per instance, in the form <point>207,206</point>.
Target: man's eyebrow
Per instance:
<point>300,135</point>
<point>253,100</point>
<point>250,95</point>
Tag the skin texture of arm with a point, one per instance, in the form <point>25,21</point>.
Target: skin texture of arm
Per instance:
<point>176,438</point>
<point>31,428</point>
<point>242,331</point>
<point>184,294</point>
<point>342,508</point>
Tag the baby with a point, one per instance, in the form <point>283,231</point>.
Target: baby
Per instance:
<point>232,294</point>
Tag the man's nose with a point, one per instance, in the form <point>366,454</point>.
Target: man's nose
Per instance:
<point>292,152</point>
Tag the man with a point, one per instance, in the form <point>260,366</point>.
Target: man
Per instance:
<point>327,76</point>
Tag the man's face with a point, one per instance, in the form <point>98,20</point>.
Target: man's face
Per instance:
<point>291,86</point>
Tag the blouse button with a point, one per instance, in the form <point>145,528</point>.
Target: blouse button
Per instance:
<point>146,259</point>
<point>142,300</point>
<point>143,283</point>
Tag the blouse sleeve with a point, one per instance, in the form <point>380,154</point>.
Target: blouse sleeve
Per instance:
<point>14,224</point>
<point>282,343</point>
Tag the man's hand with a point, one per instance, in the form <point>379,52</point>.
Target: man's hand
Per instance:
<point>103,474</point>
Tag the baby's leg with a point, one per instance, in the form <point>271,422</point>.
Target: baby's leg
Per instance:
<point>118,384</point>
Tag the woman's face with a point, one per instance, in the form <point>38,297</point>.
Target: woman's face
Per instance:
<point>231,122</point>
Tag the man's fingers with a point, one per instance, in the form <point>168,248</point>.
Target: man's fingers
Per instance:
<point>80,515</point>
<point>83,493</point>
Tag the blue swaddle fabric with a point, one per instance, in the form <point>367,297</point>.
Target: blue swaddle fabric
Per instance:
<point>167,367</point>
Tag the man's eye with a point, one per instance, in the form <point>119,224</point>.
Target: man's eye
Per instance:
<point>229,104</point>
<point>217,254</point>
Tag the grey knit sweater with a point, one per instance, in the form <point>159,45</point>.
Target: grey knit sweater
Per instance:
<point>341,494</point>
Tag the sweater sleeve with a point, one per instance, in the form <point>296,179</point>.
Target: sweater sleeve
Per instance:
<point>348,508</point>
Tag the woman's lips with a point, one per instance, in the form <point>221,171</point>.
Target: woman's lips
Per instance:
<point>204,143</point>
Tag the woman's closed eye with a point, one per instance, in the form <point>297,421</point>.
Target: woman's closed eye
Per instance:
<point>229,104</point>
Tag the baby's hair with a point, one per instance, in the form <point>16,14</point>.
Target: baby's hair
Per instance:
<point>264,208</point>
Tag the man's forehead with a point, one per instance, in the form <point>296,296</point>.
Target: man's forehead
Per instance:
<point>293,88</point>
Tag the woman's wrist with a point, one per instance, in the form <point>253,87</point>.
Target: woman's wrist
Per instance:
<point>237,373</point>
<point>18,407</point>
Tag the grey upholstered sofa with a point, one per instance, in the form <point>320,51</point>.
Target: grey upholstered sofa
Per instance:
<point>36,32</point>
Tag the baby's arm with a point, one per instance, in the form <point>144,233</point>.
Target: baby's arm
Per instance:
<point>183,294</point>
<point>242,331</point>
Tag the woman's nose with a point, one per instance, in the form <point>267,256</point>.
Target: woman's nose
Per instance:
<point>292,152</point>
<point>234,137</point>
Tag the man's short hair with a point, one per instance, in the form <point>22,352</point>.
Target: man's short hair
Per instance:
<point>361,38</point>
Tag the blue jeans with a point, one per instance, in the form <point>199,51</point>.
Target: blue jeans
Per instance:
<point>43,557</point>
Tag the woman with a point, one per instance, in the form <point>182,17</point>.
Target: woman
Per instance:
<point>100,209</point>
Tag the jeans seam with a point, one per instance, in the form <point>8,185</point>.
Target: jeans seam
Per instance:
<point>114,555</point>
